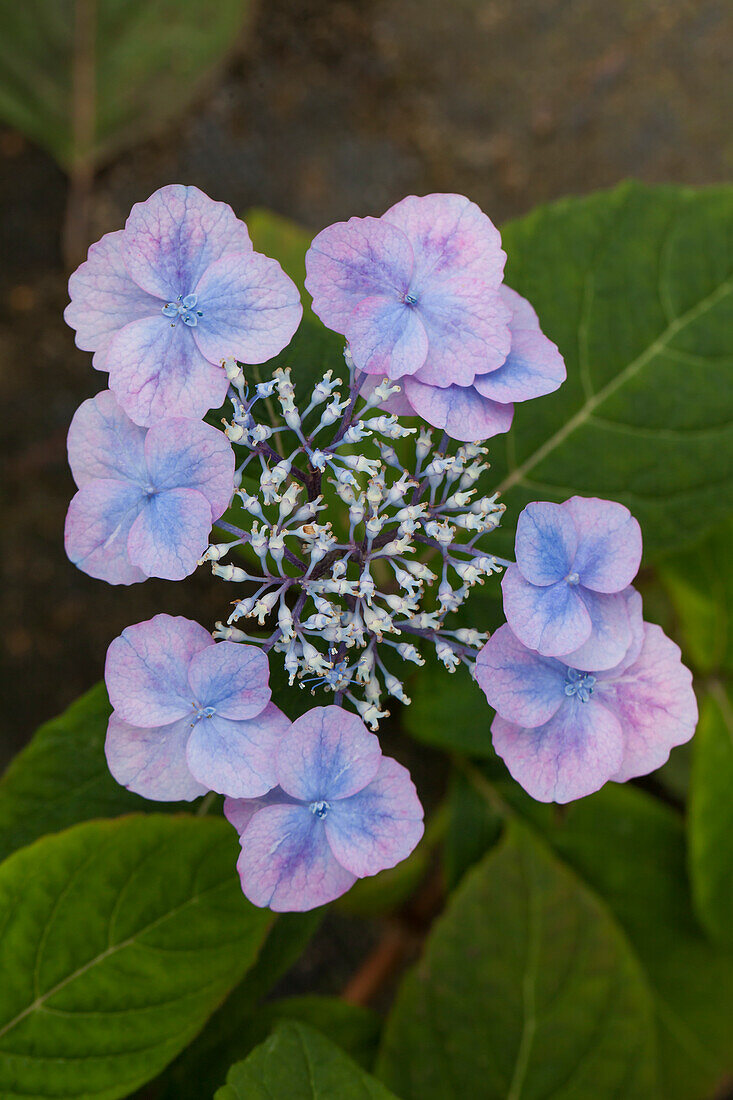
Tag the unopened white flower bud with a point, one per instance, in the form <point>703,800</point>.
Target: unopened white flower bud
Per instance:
<point>230,573</point>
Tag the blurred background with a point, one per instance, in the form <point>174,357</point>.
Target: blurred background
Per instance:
<point>319,111</point>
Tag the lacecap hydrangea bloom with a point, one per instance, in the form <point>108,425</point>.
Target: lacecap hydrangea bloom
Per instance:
<point>418,294</point>
<point>351,537</point>
<point>563,731</point>
<point>340,811</point>
<point>147,496</point>
<point>163,301</point>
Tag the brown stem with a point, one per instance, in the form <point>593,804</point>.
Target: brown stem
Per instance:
<point>400,940</point>
<point>83,120</point>
<point>387,957</point>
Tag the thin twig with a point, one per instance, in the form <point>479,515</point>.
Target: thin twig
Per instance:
<point>83,125</point>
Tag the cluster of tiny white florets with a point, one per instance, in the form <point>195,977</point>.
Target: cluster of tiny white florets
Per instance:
<point>350,597</point>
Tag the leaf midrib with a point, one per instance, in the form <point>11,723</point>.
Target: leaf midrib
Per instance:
<point>39,1002</point>
<point>529,989</point>
<point>516,476</point>
<point>671,1017</point>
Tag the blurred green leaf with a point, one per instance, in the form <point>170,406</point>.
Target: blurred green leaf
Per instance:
<point>353,1029</point>
<point>527,988</point>
<point>296,1063</point>
<point>700,585</point>
<point>448,710</point>
<point>630,849</point>
<point>474,826</point>
<point>710,814</point>
<point>62,777</point>
<point>283,239</point>
<point>119,940</point>
<point>203,1065</point>
<point>387,891</point>
<point>634,285</point>
<point>674,776</point>
<point>314,349</point>
<point>84,78</point>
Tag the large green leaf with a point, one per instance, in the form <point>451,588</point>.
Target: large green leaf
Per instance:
<point>630,849</point>
<point>474,826</point>
<point>85,77</point>
<point>296,1063</point>
<point>203,1065</point>
<point>527,989</point>
<point>700,585</point>
<point>634,285</point>
<point>62,777</point>
<point>119,938</point>
<point>711,814</point>
<point>353,1028</point>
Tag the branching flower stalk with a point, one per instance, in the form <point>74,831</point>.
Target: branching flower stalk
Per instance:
<point>344,605</point>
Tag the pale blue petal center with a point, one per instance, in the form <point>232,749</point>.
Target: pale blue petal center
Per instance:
<point>184,308</point>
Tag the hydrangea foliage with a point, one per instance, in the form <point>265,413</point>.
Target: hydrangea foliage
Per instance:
<point>351,534</point>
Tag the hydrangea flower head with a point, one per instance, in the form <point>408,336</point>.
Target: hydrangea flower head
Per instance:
<point>190,714</point>
<point>418,294</point>
<point>564,597</point>
<point>165,300</point>
<point>563,731</point>
<point>147,497</point>
<point>340,811</point>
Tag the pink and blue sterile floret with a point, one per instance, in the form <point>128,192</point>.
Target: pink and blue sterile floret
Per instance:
<point>340,811</point>
<point>147,497</point>
<point>165,300</point>
<point>563,731</point>
<point>564,597</point>
<point>190,714</point>
<point>418,294</point>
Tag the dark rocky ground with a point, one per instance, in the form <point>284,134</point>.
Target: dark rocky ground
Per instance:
<point>335,109</point>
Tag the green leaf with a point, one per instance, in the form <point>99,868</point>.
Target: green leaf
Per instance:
<point>314,349</point>
<point>84,78</point>
<point>474,826</point>
<point>283,239</point>
<point>448,710</point>
<point>700,585</point>
<point>629,848</point>
<point>527,988</point>
<point>353,1029</point>
<point>296,1063</point>
<point>62,777</point>
<point>634,285</point>
<point>119,940</point>
<point>225,1039</point>
<point>711,815</point>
